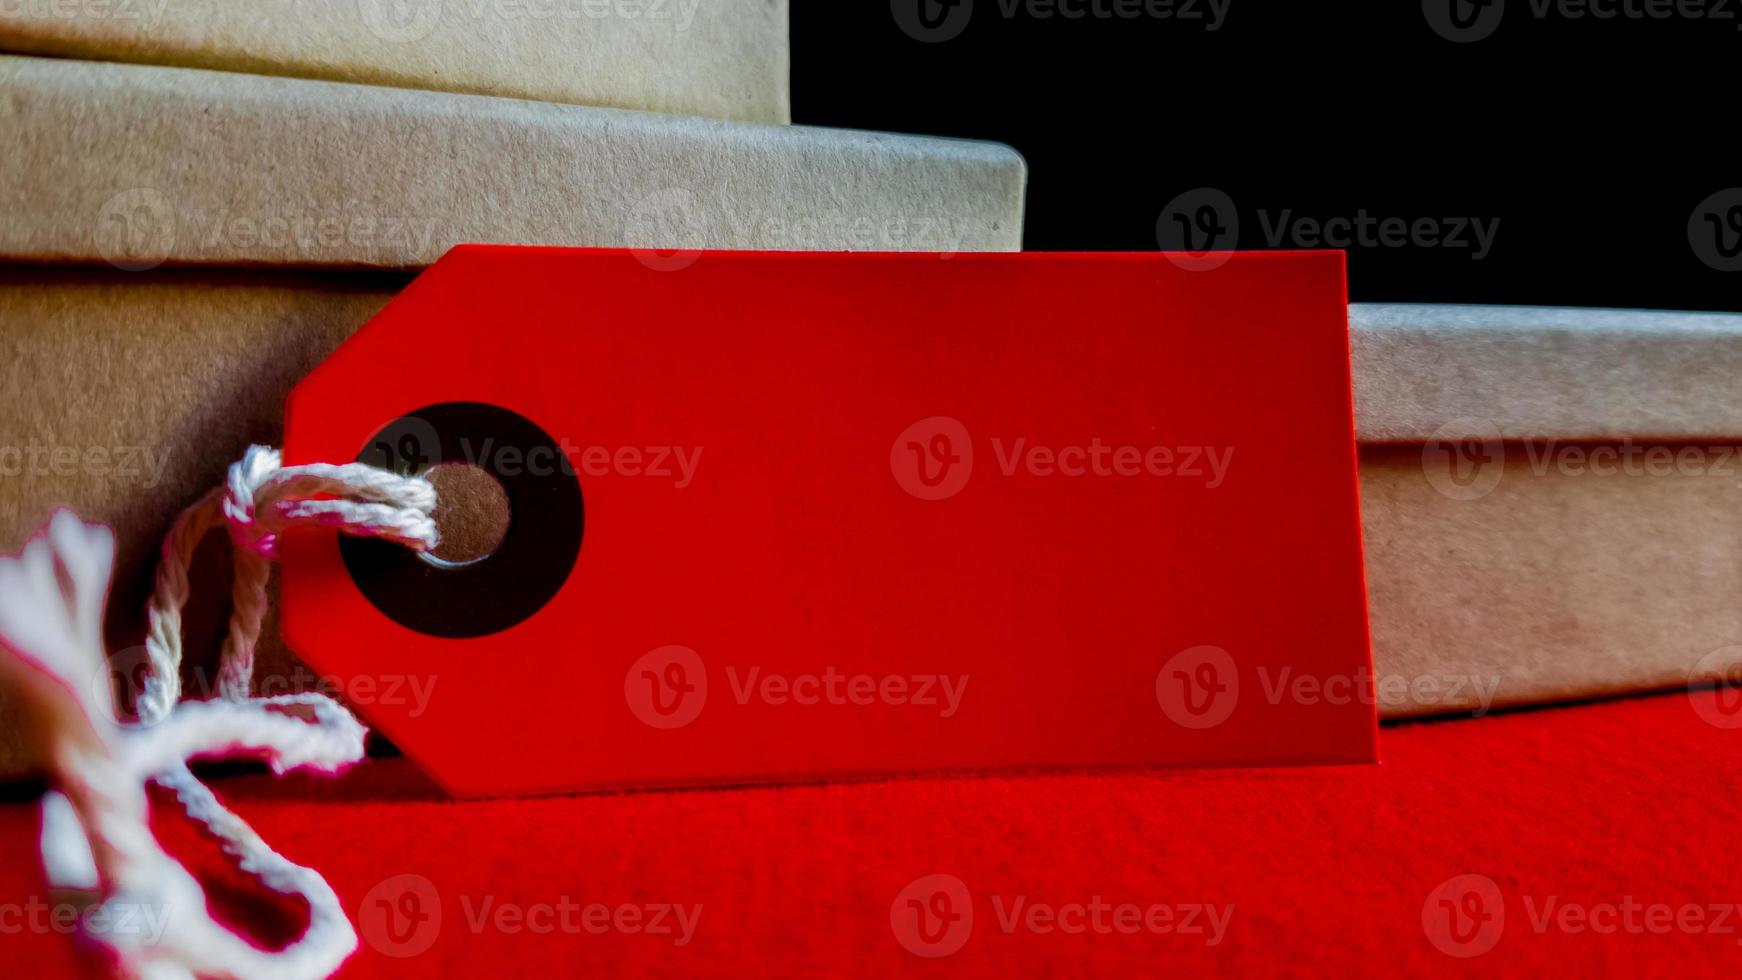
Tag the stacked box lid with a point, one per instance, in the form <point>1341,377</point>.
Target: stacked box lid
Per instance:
<point>726,59</point>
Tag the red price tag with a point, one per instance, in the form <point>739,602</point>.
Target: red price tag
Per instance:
<point>798,516</point>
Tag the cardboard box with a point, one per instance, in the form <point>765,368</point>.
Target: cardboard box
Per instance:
<point>1549,499</point>
<point>127,386</point>
<point>125,396</point>
<point>726,59</point>
<point>139,166</point>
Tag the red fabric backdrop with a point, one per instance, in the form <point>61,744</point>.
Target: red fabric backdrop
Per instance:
<point>1595,829</point>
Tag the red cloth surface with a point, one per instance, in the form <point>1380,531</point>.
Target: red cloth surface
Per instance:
<point>1594,824</point>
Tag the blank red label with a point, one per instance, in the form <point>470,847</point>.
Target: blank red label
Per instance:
<point>799,516</point>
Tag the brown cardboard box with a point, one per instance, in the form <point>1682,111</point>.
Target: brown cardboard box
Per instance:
<point>190,197</point>
<point>1556,585</point>
<point>1552,501</point>
<point>139,165</point>
<point>126,395</point>
<point>726,59</point>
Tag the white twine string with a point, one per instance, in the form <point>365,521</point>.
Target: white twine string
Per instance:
<point>95,836</point>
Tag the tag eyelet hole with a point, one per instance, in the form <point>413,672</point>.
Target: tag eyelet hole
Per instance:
<point>472,512</point>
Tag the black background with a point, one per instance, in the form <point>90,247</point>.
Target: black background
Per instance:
<point>1592,141</point>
